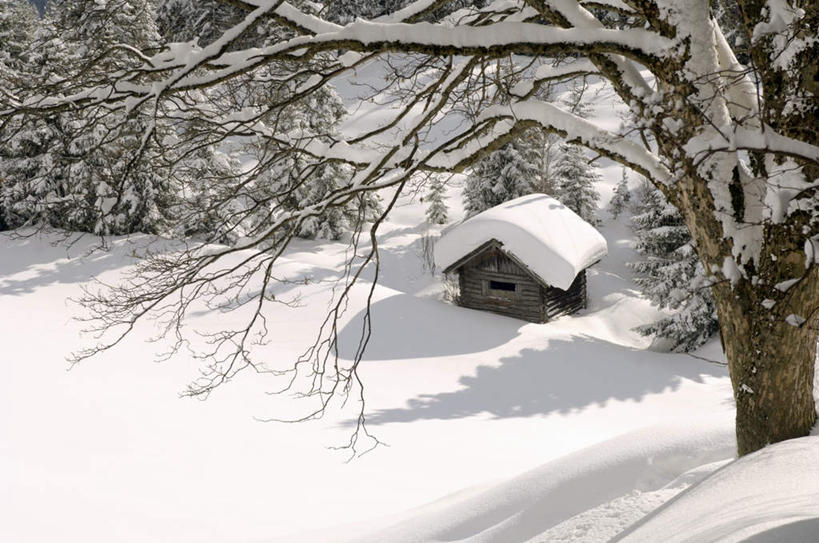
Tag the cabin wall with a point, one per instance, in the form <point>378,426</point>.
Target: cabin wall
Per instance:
<point>480,278</point>
<point>477,278</point>
<point>565,302</point>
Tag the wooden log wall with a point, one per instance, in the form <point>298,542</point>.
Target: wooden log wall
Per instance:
<point>529,300</point>
<point>559,302</point>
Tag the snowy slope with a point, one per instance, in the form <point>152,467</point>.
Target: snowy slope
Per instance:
<point>109,452</point>
<point>528,505</point>
<point>479,411</point>
<point>770,496</point>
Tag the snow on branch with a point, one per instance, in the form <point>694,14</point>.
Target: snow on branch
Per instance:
<point>512,37</point>
<point>548,72</point>
<point>733,138</point>
<point>581,18</point>
<point>495,39</point>
<point>575,128</point>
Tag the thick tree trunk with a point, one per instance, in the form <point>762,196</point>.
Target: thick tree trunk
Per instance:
<point>771,362</point>
<point>769,334</point>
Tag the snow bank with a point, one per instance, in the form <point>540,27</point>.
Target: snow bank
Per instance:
<point>531,503</point>
<point>541,232</point>
<point>765,497</point>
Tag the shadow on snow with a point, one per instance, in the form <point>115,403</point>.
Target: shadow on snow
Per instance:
<point>567,375</point>
<point>408,327</point>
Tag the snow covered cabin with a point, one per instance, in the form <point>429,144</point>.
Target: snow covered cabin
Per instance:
<point>526,258</point>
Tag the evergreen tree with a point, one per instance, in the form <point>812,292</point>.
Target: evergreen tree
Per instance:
<point>575,179</point>
<point>621,196</point>
<point>31,149</point>
<point>514,170</point>
<point>290,180</point>
<point>89,170</point>
<point>207,207</point>
<point>346,11</point>
<point>573,175</point>
<point>671,275</point>
<point>203,22</point>
<point>18,24</point>
<point>436,207</point>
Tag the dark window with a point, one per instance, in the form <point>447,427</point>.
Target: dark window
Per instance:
<point>502,285</point>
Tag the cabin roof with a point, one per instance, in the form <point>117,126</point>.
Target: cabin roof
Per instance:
<point>552,241</point>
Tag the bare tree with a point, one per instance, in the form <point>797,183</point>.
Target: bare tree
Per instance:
<point>733,146</point>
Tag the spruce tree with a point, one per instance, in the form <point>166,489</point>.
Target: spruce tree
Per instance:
<point>514,170</point>
<point>575,179</point>
<point>18,24</point>
<point>290,180</point>
<point>573,175</point>
<point>31,148</point>
<point>671,275</point>
<point>437,209</point>
<point>89,170</point>
<point>621,196</point>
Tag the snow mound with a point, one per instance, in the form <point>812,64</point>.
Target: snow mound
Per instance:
<point>769,496</point>
<point>552,240</point>
<point>528,505</point>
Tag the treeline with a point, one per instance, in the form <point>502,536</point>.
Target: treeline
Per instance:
<point>151,167</point>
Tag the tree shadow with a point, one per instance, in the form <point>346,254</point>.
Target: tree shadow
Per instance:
<point>567,375</point>
<point>45,258</point>
<point>408,327</point>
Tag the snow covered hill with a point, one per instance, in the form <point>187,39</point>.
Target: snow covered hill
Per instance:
<point>770,496</point>
<point>109,452</point>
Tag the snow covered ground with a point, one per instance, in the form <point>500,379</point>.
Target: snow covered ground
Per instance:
<point>498,430</point>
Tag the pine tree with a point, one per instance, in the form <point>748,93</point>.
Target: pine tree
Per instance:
<point>514,170</point>
<point>18,24</point>
<point>573,175</point>
<point>90,170</point>
<point>575,179</point>
<point>207,207</point>
<point>437,209</point>
<point>291,181</point>
<point>621,196</point>
<point>31,149</point>
<point>671,275</point>
<point>346,11</point>
<point>199,21</point>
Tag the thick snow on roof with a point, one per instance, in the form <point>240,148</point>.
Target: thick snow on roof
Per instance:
<point>553,241</point>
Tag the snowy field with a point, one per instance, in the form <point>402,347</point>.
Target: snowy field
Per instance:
<point>495,429</point>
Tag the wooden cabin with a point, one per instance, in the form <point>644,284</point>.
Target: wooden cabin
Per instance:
<point>525,259</point>
<point>493,280</point>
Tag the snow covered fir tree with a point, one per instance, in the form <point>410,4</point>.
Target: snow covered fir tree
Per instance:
<point>621,197</point>
<point>437,210</point>
<point>86,170</point>
<point>573,174</point>
<point>671,275</point>
<point>575,179</point>
<point>514,170</point>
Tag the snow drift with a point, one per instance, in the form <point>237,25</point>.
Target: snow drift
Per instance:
<point>533,502</point>
<point>769,496</point>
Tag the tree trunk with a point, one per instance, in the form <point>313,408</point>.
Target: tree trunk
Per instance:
<point>770,349</point>
<point>771,361</point>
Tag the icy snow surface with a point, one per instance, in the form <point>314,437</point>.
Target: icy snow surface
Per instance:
<point>548,237</point>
